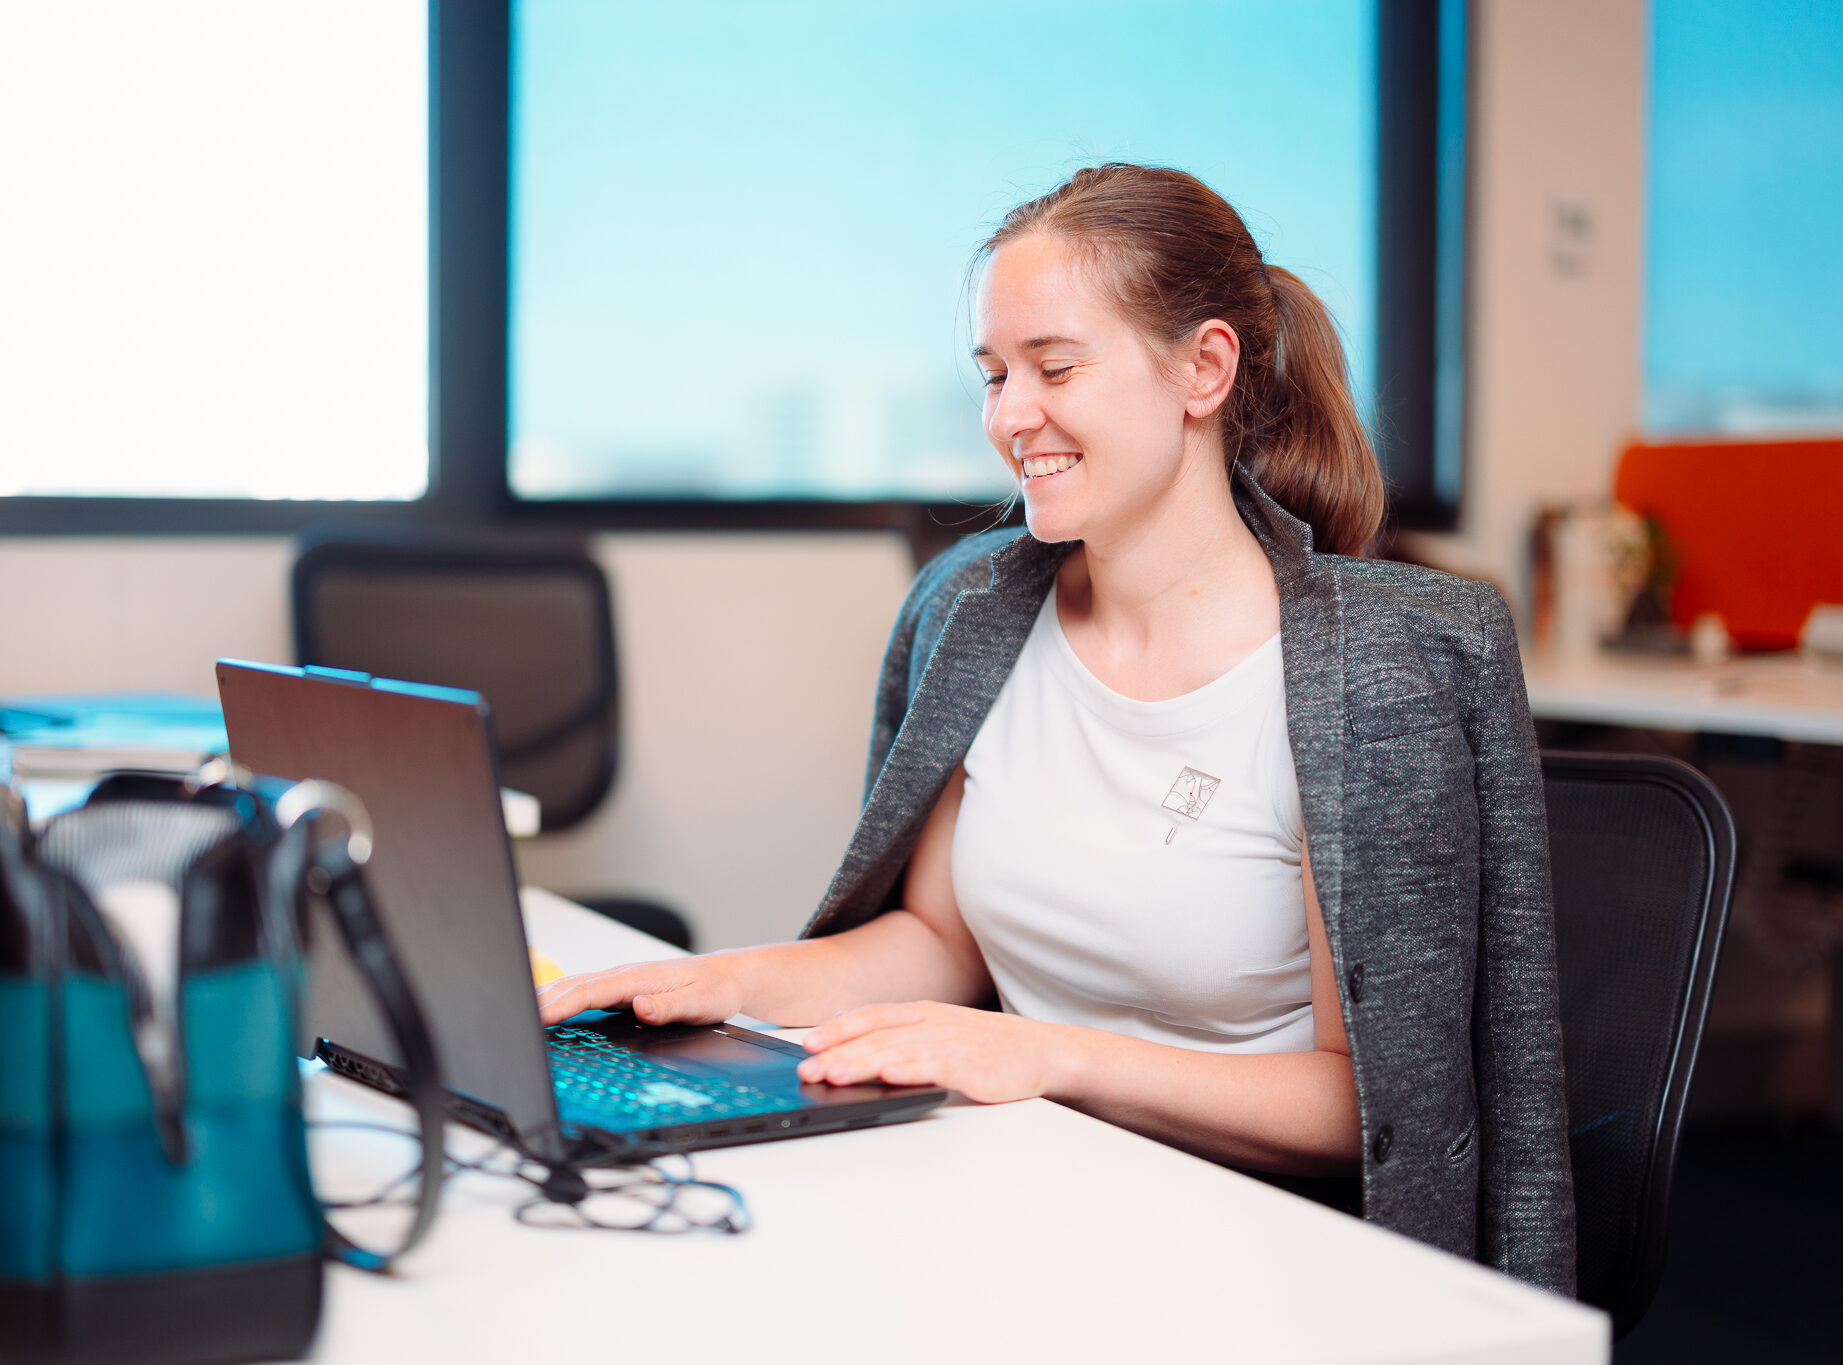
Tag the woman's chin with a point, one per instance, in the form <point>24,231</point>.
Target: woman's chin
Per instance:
<point>1049,525</point>
<point>1052,518</point>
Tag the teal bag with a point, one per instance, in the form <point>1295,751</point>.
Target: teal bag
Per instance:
<point>155,1198</point>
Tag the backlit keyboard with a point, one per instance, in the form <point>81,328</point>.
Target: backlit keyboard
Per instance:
<point>604,1086</point>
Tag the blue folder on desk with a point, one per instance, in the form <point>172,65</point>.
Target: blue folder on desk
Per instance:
<point>87,734</point>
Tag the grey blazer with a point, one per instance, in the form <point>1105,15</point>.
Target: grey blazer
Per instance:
<point>1424,813</point>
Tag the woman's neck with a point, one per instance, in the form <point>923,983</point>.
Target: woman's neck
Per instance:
<point>1187,553</point>
<point>1172,600</point>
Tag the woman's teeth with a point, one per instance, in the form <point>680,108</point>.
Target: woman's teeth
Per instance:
<point>1035,467</point>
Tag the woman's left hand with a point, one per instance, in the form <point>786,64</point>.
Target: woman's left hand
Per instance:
<point>986,1056</point>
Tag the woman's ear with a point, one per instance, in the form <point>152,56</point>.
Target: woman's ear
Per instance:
<point>1214,355</point>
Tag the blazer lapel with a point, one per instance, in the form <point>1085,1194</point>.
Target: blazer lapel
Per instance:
<point>985,631</point>
<point>1312,640</point>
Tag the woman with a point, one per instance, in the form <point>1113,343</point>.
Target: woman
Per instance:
<point>1243,832</point>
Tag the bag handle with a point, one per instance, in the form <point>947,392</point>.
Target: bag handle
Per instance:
<point>336,872</point>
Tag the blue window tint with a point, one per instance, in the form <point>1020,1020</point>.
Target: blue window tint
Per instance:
<point>741,232</point>
<point>1745,274</point>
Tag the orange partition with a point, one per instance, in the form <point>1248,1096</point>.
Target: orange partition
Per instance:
<point>1758,527</point>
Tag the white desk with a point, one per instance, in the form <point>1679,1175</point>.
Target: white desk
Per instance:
<point>1018,1233</point>
<point>1784,696</point>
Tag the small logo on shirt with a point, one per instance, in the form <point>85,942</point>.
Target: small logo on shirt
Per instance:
<point>1189,795</point>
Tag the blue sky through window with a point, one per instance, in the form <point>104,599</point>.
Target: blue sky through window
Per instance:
<point>741,231</point>
<point>1745,279</point>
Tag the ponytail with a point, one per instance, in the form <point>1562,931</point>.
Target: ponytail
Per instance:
<point>1313,456</point>
<point>1173,254</point>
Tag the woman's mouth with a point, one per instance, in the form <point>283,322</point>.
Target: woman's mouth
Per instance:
<point>1046,466</point>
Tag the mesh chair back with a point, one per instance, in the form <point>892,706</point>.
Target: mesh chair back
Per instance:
<point>1643,853</point>
<point>531,628</point>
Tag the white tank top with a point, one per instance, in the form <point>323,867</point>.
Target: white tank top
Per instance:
<point>1135,866</point>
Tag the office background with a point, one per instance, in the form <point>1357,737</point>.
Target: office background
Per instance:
<point>763,765</point>
<point>749,655</point>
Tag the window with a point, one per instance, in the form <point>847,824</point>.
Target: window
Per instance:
<point>1746,191</point>
<point>494,260</point>
<point>214,256</point>
<point>740,232</point>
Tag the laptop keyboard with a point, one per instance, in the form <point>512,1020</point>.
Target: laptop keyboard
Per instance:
<point>603,1086</point>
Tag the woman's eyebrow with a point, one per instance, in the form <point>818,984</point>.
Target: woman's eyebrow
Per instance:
<point>1034,344</point>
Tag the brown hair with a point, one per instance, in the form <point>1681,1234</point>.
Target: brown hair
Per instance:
<point>1172,254</point>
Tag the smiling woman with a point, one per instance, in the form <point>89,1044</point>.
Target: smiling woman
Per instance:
<point>1241,833</point>
<point>1293,413</point>
<point>1175,364</point>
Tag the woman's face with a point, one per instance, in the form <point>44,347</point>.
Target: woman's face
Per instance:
<point>1089,423</point>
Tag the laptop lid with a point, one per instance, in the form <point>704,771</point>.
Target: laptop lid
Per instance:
<point>421,758</point>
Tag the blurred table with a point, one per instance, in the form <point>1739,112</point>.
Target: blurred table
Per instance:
<point>1011,1232</point>
<point>1789,696</point>
<point>1782,696</point>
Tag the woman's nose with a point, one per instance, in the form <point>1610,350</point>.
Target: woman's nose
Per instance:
<point>1012,414</point>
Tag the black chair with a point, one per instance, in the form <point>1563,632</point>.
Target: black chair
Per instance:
<point>1643,851</point>
<point>529,624</point>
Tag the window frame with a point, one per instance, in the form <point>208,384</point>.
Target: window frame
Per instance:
<point>1420,314</point>
<point>1423,228</point>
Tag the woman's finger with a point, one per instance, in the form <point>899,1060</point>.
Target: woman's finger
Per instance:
<point>604,990</point>
<point>856,1023</point>
<point>690,1002</point>
<point>572,995</point>
<point>563,997</point>
<point>867,1057</point>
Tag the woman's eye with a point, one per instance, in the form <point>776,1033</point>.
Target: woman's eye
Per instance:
<point>993,381</point>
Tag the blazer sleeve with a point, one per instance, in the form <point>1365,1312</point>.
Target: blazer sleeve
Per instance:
<point>911,645</point>
<point>893,688</point>
<point>1526,1214</point>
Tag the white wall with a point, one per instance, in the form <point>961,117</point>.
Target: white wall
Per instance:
<point>748,661</point>
<point>109,614</point>
<point>1558,118</point>
<point>749,664</point>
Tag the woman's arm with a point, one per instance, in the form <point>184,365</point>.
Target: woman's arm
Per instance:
<point>1284,1111</point>
<point>1526,1195</point>
<point>1293,1112</point>
<point>910,954</point>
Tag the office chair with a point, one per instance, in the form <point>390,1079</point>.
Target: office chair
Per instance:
<point>1643,851</point>
<point>528,624</point>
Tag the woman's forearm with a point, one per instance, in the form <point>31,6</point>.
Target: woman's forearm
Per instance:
<point>894,957</point>
<point>1290,1112</point>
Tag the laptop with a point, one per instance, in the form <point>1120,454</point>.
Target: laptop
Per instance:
<point>422,760</point>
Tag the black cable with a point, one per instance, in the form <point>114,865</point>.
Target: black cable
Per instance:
<point>564,1188</point>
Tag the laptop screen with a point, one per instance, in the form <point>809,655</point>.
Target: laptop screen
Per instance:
<point>421,759</point>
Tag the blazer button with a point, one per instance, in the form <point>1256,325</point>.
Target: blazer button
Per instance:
<point>1384,1143</point>
<point>1355,981</point>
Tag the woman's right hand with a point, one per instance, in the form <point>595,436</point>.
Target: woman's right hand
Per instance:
<point>683,990</point>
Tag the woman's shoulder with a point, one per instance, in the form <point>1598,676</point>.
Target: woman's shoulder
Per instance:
<point>1407,626</point>
<point>1422,600</point>
<point>1416,582</point>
